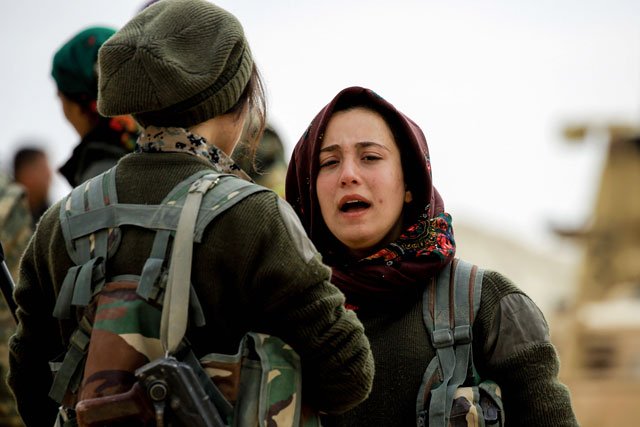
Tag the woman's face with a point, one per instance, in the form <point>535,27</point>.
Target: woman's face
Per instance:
<point>360,185</point>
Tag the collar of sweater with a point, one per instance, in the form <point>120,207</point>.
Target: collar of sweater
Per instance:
<point>156,139</point>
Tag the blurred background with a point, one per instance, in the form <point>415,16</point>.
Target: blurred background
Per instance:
<point>531,110</point>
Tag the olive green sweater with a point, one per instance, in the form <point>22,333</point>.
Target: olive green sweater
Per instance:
<point>510,345</point>
<point>255,270</point>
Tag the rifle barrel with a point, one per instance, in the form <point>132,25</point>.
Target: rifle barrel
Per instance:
<point>7,285</point>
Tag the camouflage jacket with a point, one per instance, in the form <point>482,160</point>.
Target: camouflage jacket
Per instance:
<point>15,231</point>
<point>255,270</point>
<point>15,222</point>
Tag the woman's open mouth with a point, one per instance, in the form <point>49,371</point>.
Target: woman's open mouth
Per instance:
<point>353,204</point>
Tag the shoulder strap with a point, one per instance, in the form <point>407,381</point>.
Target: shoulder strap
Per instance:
<point>197,212</point>
<point>153,266</point>
<point>175,306</point>
<point>450,305</point>
<point>90,250</point>
<point>90,218</point>
<point>92,209</point>
<point>93,194</point>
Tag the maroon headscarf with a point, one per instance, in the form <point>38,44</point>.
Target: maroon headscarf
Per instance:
<point>426,244</point>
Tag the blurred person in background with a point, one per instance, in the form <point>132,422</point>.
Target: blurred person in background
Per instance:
<point>15,231</point>
<point>31,169</point>
<point>269,166</point>
<point>103,140</point>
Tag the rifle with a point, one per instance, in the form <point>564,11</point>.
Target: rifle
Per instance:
<point>7,285</point>
<point>164,385</point>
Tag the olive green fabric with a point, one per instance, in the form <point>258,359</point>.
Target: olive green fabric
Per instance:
<point>176,63</point>
<point>531,393</point>
<point>239,274</point>
<point>74,64</point>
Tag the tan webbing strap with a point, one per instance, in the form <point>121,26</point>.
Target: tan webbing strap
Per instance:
<point>175,307</point>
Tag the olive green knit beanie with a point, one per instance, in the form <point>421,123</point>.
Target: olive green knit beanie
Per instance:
<point>176,63</point>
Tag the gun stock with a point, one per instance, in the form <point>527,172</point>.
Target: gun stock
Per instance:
<point>133,405</point>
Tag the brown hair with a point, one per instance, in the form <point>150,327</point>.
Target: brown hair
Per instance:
<point>254,98</point>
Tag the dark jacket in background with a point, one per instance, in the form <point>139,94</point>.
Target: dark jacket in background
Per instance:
<point>100,149</point>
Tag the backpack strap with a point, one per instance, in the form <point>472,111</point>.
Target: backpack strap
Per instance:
<point>199,208</point>
<point>68,373</point>
<point>93,194</point>
<point>450,305</point>
<point>89,251</point>
<point>153,266</point>
<point>175,306</point>
<point>165,216</point>
<point>90,217</point>
<point>229,191</point>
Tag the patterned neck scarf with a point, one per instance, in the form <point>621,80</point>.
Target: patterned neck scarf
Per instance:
<point>155,139</point>
<point>426,244</point>
<point>427,237</point>
<point>393,273</point>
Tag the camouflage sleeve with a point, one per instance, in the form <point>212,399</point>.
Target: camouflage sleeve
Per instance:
<point>15,223</point>
<point>15,231</point>
<point>309,314</point>
<point>520,358</point>
<point>37,338</point>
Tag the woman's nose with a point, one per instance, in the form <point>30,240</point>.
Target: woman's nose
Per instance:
<point>349,173</point>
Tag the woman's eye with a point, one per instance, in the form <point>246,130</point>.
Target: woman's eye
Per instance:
<point>327,163</point>
<point>371,158</point>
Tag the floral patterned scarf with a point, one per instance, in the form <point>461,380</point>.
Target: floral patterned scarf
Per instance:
<point>426,244</point>
<point>155,139</point>
<point>392,273</point>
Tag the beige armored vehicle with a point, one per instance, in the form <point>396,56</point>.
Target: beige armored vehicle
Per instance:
<point>599,336</point>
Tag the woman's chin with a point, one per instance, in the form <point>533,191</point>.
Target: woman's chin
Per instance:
<point>358,249</point>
